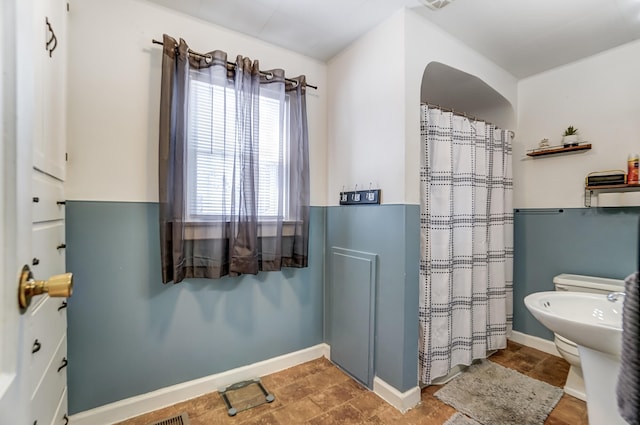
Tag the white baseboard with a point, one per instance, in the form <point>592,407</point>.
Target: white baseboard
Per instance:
<point>535,342</point>
<point>401,401</point>
<point>144,403</point>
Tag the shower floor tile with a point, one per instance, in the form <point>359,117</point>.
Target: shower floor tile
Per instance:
<point>319,393</point>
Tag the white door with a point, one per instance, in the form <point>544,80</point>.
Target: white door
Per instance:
<point>32,341</point>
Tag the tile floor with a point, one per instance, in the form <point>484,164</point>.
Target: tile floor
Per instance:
<point>318,393</point>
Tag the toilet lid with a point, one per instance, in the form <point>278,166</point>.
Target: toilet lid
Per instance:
<point>573,282</point>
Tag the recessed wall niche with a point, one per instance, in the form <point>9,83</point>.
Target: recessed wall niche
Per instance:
<point>454,89</point>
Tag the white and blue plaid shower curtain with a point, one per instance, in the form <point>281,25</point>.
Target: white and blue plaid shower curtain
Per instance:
<point>466,241</point>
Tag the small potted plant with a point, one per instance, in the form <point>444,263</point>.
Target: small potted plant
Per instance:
<point>570,137</point>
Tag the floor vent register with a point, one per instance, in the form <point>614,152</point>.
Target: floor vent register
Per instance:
<point>181,419</point>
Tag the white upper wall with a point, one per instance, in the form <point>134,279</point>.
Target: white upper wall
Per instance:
<point>426,43</point>
<point>366,114</point>
<point>374,98</point>
<point>599,96</point>
<point>114,94</point>
<point>363,120</point>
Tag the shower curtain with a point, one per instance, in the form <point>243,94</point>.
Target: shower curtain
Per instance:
<point>466,241</point>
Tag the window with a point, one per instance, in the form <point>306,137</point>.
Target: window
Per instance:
<point>233,198</point>
<point>211,142</point>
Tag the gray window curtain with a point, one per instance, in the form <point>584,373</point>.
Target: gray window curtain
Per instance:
<point>238,240</point>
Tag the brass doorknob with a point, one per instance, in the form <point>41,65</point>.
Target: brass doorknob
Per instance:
<point>60,285</point>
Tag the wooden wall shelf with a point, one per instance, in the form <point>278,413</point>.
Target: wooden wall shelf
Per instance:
<point>553,150</point>
<point>615,188</point>
<point>611,188</point>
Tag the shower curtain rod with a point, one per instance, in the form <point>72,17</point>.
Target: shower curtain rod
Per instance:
<point>231,64</point>
<point>463,114</point>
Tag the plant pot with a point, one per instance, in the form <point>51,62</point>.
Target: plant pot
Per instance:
<point>571,140</point>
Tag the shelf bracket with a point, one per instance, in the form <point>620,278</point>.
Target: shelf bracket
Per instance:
<point>587,197</point>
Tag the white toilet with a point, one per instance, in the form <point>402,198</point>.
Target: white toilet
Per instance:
<point>567,348</point>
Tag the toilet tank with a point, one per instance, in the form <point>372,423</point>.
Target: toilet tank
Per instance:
<point>590,284</point>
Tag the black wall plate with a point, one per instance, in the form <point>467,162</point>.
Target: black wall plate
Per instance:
<point>360,197</point>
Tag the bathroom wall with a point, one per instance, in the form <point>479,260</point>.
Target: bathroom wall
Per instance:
<point>128,333</point>
<point>374,93</point>
<point>426,43</point>
<point>389,232</point>
<point>366,145</point>
<point>590,241</point>
<point>374,132</point>
<point>114,80</point>
<point>366,117</point>
<point>598,96</point>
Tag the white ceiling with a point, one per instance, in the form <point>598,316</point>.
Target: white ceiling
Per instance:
<point>524,37</point>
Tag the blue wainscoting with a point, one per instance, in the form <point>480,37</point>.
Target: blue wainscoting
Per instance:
<point>591,241</point>
<point>391,232</point>
<point>130,334</point>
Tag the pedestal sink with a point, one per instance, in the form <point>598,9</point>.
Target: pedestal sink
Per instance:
<point>595,325</point>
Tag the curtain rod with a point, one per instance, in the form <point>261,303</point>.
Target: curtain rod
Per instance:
<point>203,56</point>
<point>463,114</point>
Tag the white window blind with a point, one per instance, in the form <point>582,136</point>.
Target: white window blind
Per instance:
<point>212,134</point>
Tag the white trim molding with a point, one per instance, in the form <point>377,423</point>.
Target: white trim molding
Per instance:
<point>401,401</point>
<point>144,403</point>
<point>538,343</point>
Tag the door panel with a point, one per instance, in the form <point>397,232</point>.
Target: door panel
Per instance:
<point>60,417</point>
<point>48,192</point>
<point>48,253</point>
<point>46,398</point>
<point>33,138</point>
<point>17,108</point>
<point>48,324</point>
<point>49,147</point>
<point>46,320</point>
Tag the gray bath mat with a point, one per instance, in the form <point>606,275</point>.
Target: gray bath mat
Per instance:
<point>460,419</point>
<point>492,394</point>
<point>245,395</point>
